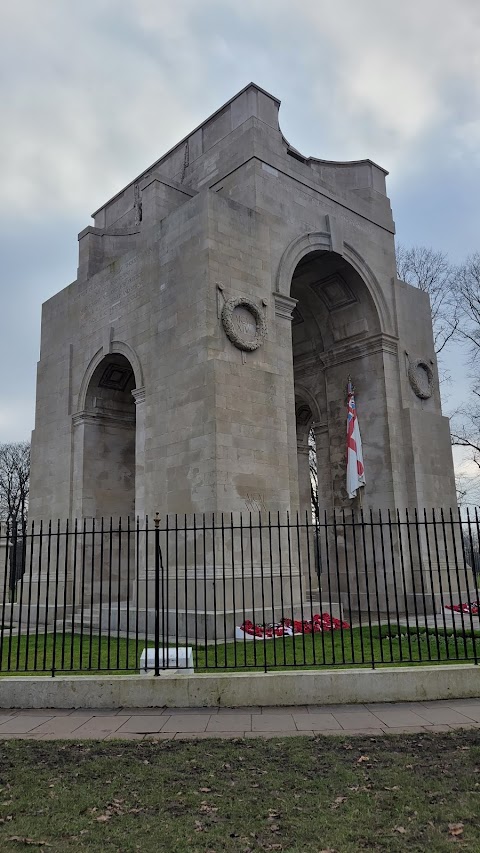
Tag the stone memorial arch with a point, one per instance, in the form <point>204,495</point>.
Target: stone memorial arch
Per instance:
<point>222,299</point>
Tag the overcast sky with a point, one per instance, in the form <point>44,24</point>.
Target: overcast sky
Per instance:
<point>93,92</point>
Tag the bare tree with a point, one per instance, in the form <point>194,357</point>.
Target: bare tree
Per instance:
<point>433,273</point>
<point>14,481</point>
<point>465,424</point>
<point>467,484</point>
<point>467,292</point>
<point>465,428</point>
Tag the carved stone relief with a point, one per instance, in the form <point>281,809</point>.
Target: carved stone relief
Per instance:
<point>420,376</point>
<point>244,324</point>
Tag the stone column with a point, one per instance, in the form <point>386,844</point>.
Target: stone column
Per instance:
<point>284,306</point>
<point>77,507</point>
<point>139,397</point>
<point>144,560</point>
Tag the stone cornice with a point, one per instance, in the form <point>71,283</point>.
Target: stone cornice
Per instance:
<point>157,177</point>
<point>319,428</point>
<point>138,395</point>
<point>347,351</point>
<point>109,232</point>
<point>275,161</point>
<point>284,305</point>
<point>353,350</point>
<point>303,448</point>
<point>120,419</point>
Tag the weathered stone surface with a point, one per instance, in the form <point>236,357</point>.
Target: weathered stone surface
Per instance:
<point>234,213</point>
<point>145,403</point>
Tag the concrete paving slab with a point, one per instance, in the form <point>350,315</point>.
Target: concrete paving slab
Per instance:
<point>442,715</point>
<point>41,712</point>
<point>405,730</point>
<point>102,712</point>
<point>317,722</point>
<point>186,723</point>
<point>98,727</point>
<point>470,711</point>
<point>146,724</point>
<point>392,706</point>
<point>284,733</point>
<point>368,732</point>
<point>63,726</point>
<point>56,736</point>
<point>209,734</point>
<point>163,723</point>
<point>285,709</point>
<point>333,709</point>
<point>414,707</point>
<point>230,722</point>
<point>273,722</point>
<point>363,720</point>
<point>22,723</point>
<point>398,718</point>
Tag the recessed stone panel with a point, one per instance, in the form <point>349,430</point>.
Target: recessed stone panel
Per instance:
<point>116,377</point>
<point>334,292</point>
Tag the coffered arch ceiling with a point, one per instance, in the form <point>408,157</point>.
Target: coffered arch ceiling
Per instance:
<point>333,307</point>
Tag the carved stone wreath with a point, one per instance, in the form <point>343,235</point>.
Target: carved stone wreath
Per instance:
<point>413,375</point>
<point>231,330</point>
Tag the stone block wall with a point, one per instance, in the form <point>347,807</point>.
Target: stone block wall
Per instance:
<point>233,212</point>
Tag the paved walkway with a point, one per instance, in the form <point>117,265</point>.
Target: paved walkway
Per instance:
<point>181,723</point>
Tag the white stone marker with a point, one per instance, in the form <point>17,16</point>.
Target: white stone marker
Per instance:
<point>171,660</point>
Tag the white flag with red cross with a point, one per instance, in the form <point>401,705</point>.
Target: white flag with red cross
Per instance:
<point>355,469</point>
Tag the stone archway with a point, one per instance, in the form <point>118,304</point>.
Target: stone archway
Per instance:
<point>322,243</point>
<point>109,435</point>
<point>335,332</point>
<point>108,458</point>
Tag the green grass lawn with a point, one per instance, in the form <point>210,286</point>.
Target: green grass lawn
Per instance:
<point>65,653</point>
<point>389,794</point>
<point>357,647</point>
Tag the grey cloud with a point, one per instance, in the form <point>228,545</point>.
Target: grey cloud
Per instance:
<point>101,90</point>
<point>93,93</point>
<point>37,261</point>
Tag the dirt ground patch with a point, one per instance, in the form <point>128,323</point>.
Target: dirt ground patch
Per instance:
<point>296,795</point>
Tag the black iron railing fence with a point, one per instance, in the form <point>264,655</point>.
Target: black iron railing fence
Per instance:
<point>235,591</point>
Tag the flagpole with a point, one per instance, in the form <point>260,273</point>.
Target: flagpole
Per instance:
<point>360,499</point>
